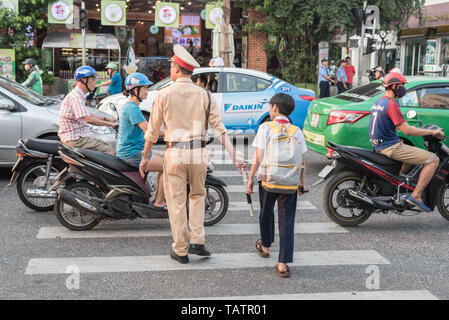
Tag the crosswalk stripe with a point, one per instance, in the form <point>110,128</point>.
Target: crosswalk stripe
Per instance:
<point>216,261</point>
<point>353,295</point>
<point>229,173</point>
<point>241,205</point>
<point>163,231</point>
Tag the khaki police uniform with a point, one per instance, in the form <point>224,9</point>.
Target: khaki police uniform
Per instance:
<point>181,108</point>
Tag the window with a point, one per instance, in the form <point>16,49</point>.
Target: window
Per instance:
<point>262,84</point>
<point>23,92</point>
<point>362,93</point>
<point>241,83</point>
<point>410,100</point>
<point>437,97</point>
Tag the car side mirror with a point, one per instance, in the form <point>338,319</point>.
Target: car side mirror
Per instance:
<point>8,105</point>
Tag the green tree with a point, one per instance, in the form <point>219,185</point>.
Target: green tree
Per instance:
<point>298,26</point>
<point>13,27</point>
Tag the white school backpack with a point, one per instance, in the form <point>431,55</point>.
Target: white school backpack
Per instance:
<point>281,166</point>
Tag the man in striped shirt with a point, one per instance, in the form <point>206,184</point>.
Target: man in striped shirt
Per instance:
<point>74,117</point>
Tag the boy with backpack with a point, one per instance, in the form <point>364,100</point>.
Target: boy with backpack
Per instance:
<point>280,166</point>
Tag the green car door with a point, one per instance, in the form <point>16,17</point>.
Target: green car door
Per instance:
<point>424,105</point>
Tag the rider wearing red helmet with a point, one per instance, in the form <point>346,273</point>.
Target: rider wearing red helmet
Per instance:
<point>386,118</point>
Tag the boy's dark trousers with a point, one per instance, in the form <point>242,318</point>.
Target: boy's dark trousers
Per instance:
<point>286,221</point>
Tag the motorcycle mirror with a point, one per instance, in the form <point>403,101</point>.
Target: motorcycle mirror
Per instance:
<point>411,114</point>
<point>112,107</point>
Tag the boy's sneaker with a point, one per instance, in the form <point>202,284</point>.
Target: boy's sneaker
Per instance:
<point>420,204</point>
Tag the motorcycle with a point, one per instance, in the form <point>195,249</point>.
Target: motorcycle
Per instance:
<point>364,182</point>
<point>35,170</point>
<point>108,188</point>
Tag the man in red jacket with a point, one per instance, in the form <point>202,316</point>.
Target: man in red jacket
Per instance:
<point>350,72</point>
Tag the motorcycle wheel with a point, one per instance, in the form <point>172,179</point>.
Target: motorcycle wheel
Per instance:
<point>72,218</point>
<point>443,205</point>
<point>33,176</point>
<point>216,204</point>
<point>333,200</point>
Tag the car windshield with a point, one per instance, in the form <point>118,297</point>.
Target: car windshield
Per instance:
<point>160,84</point>
<point>23,92</point>
<point>362,93</point>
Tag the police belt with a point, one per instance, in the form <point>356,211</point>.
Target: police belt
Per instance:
<point>193,144</point>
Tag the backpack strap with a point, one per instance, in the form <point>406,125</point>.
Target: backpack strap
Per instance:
<point>274,127</point>
<point>291,130</point>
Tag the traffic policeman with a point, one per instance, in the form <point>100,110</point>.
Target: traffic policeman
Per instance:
<point>183,109</point>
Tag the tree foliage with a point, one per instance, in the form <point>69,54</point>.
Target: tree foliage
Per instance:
<point>13,27</point>
<point>298,26</point>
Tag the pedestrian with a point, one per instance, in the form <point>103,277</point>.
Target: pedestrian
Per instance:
<point>186,110</point>
<point>191,48</point>
<point>379,73</point>
<point>341,77</point>
<point>74,117</point>
<point>324,79</point>
<point>201,80</point>
<point>34,80</point>
<point>281,106</point>
<point>115,82</point>
<point>350,72</point>
<point>133,125</point>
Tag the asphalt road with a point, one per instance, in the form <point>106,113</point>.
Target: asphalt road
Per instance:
<point>388,256</point>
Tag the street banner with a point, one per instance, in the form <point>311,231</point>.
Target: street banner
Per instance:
<point>12,5</point>
<point>60,12</point>
<point>8,63</point>
<point>113,13</point>
<point>167,14</point>
<point>214,14</point>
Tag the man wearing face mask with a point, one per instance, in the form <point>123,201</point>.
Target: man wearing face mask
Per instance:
<point>386,118</point>
<point>34,80</point>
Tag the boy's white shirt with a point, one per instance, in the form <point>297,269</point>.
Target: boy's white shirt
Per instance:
<point>264,135</point>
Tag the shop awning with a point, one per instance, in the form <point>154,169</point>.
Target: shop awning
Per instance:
<point>73,40</point>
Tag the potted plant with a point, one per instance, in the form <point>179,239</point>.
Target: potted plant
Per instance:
<point>47,79</point>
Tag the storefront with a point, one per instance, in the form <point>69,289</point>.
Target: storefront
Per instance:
<point>63,51</point>
<point>425,48</point>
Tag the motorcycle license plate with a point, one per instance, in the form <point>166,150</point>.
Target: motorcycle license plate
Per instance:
<point>325,172</point>
<point>17,163</point>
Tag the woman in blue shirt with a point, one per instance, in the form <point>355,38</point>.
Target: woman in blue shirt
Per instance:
<point>131,140</point>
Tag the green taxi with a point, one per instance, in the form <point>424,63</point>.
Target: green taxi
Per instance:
<point>344,119</point>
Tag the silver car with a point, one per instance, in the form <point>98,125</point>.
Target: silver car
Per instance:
<point>27,114</point>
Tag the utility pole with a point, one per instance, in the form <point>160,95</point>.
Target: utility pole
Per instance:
<point>225,49</point>
<point>83,37</point>
<point>362,49</point>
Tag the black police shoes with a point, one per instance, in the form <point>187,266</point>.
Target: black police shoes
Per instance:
<point>199,249</point>
<point>180,259</point>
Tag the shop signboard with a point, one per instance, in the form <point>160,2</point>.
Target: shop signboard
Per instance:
<point>93,41</point>
<point>214,14</point>
<point>60,12</point>
<point>188,30</point>
<point>113,13</point>
<point>167,14</point>
<point>12,5</point>
<point>8,63</point>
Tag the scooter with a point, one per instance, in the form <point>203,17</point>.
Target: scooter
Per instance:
<point>108,188</point>
<point>35,170</point>
<point>364,182</point>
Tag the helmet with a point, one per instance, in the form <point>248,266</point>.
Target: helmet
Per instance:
<point>135,80</point>
<point>379,69</point>
<point>112,65</point>
<point>85,72</point>
<point>393,78</point>
<point>29,61</point>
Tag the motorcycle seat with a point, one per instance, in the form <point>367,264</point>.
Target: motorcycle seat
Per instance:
<point>112,162</point>
<point>42,145</point>
<point>373,156</point>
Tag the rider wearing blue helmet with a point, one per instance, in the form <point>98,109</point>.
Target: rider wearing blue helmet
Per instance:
<point>74,117</point>
<point>130,139</point>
